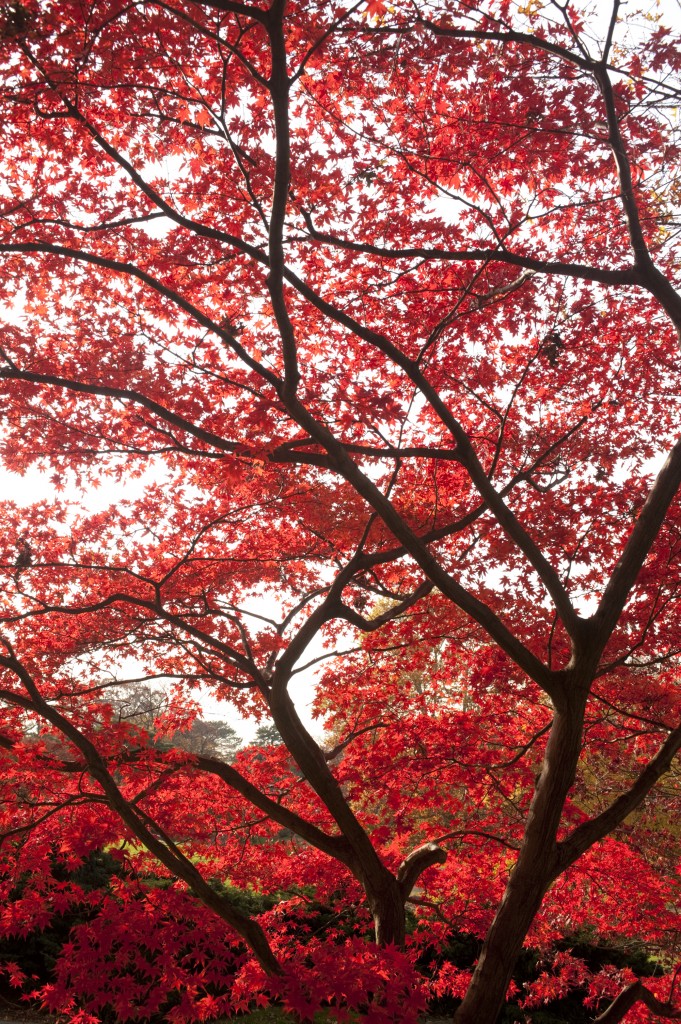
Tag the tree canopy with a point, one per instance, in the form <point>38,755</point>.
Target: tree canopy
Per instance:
<point>367,313</point>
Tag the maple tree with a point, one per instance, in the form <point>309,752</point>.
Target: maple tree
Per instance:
<point>371,311</point>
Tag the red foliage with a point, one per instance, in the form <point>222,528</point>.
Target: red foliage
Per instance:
<point>347,335</point>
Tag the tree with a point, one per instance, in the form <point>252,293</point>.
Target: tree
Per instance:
<point>267,734</point>
<point>377,303</point>
<point>139,704</point>
<point>213,738</point>
<point>144,707</point>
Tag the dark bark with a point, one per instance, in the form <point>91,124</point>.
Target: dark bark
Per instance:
<point>634,993</point>
<point>533,873</point>
<point>385,894</point>
<point>413,866</point>
<point>387,910</point>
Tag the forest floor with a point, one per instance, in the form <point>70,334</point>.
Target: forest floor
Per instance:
<point>25,1015</point>
<point>16,1013</point>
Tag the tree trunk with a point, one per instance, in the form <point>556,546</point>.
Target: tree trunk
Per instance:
<point>387,910</point>
<point>486,993</point>
<point>535,869</point>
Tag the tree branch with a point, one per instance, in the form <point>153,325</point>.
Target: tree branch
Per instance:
<point>279,90</point>
<point>169,856</point>
<point>628,997</point>
<point>637,548</point>
<point>507,36</point>
<point>415,863</point>
<point>334,846</point>
<point>580,271</point>
<point>590,832</point>
<point>132,270</point>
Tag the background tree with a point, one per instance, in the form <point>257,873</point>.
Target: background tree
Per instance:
<point>144,706</point>
<point>213,738</point>
<point>376,306</point>
<point>267,734</point>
